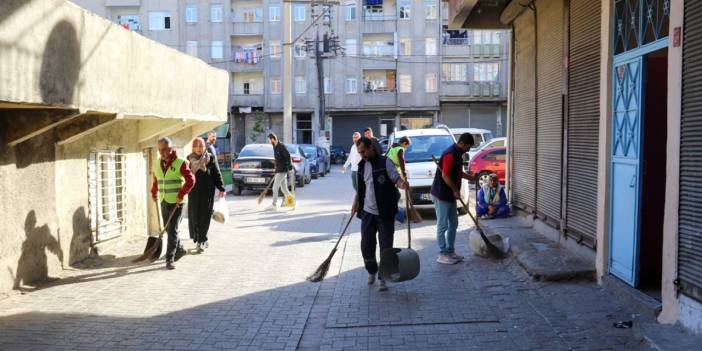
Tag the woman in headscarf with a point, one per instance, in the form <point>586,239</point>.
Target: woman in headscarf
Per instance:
<point>201,199</point>
<point>492,201</point>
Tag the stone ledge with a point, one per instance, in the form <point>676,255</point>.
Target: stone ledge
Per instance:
<point>540,257</point>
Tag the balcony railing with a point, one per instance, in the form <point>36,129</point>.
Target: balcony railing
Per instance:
<point>254,99</point>
<point>375,16</point>
<point>378,51</point>
<point>456,41</point>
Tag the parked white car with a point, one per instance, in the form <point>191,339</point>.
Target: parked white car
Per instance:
<point>420,166</point>
<point>495,142</point>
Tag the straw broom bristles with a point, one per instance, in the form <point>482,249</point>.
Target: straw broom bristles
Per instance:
<point>323,268</point>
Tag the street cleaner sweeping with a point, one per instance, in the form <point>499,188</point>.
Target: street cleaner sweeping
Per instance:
<point>396,154</point>
<point>283,166</point>
<point>173,180</point>
<point>376,205</point>
<point>445,190</point>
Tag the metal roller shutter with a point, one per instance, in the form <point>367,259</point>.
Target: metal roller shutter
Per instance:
<point>343,128</point>
<point>523,138</point>
<point>549,102</point>
<point>690,212</point>
<point>583,121</point>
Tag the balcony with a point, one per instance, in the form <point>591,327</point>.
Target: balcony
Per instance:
<point>246,59</point>
<point>247,100</point>
<point>472,91</point>
<point>378,23</point>
<point>379,97</point>
<point>456,47</point>
<point>486,50</point>
<point>247,28</point>
<point>122,3</point>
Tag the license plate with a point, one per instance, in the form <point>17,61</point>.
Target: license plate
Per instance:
<point>256,180</point>
<point>425,196</point>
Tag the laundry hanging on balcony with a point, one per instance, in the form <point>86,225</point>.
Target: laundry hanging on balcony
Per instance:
<point>247,55</point>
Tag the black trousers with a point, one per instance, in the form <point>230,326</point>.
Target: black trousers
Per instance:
<point>370,226</point>
<point>172,229</point>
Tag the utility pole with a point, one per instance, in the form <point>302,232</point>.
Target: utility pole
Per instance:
<point>329,49</point>
<point>287,72</point>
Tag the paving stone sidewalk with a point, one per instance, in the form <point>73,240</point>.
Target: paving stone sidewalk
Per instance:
<point>248,292</point>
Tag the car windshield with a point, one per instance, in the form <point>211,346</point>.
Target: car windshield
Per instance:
<point>423,147</point>
<point>291,149</point>
<point>261,150</point>
<point>310,151</point>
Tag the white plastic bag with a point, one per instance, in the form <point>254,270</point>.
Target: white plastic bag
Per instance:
<point>221,211</point>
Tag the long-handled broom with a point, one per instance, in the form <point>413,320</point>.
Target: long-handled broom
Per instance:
<point>150,251</point>
<point>494,250</point>
<point>323,268</point>
<point>412,212</point>
<point>265,191</point>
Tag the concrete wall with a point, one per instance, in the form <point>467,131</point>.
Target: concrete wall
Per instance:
<point>53,52</point>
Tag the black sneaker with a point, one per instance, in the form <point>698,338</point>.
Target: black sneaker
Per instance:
<point>170,266</point>
<point>180,252</point>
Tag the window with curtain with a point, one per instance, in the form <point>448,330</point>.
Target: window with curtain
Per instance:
<point>351,86</point>
<point>300,85</point>
<point>191,14</point>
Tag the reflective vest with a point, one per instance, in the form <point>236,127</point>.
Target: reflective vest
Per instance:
<point>392,154</point>
<point>170,183</point>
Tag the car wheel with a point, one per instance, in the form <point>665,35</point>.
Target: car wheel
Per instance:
<point>236,190</point>
<point>323,173</point>
<point>301,182</point>
<point>483,178</point>
<point>308,179</point>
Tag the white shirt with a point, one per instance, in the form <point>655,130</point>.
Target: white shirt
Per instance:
<point>353,159</point>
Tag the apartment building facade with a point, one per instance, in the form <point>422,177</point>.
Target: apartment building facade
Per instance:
<point>400,68</point>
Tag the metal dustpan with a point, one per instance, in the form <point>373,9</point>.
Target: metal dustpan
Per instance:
<point>396,264</point>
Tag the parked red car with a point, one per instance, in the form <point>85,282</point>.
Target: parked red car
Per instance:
<point>488,161</point>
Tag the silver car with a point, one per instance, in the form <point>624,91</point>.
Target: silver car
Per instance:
<point>302,166</point>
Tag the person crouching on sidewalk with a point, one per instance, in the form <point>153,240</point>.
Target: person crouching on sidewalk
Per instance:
<point>445,190</point>
<point>376,204</point>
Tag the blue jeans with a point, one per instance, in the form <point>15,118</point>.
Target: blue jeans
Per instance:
<point>446,224</point>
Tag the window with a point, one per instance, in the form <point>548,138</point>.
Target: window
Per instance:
<point>299,13</point>
<point>350,12</point>
<point>430,46</point>
<point>454,72</point>
<point>159,20</point>
<point>216,13</point>
<point>107,194</point>
<point>247,88</point>
<point>327,85</point>
<point>300,85</point>
<point>274,13</point>
<point>405,9</point>
<point>217,50</point>
<point>249,15</point>
<point>405,46</point>
<point>485,72</point>
<point>191,48</point>
<point>351,47</point>
<point>497,155</point>
<point>130,22</point>
<point>351,86</point>
<point>431,10</point>
<point>430,84</point>
<point>191,14</point>
<point>485,37</point>
<point>373,12</point>
<point>405,83</point>
<point>300,50</point>
<point>275,49</point>
<point>275,85</point>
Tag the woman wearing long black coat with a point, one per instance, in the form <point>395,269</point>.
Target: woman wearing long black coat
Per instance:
<point>201,198</point>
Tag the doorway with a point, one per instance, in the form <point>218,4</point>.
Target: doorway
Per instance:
<point>653,167</point>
